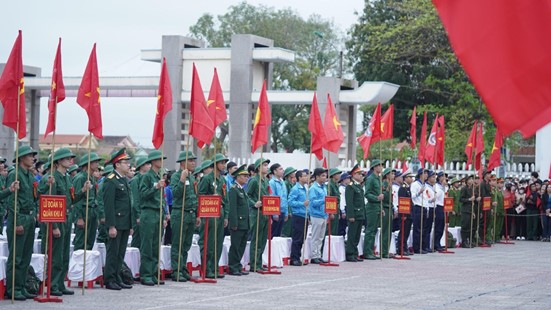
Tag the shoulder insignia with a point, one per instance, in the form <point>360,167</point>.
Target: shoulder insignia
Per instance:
<point>111,175</point>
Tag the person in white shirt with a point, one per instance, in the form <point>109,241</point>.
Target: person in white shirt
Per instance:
<point>439,218</point>
<point>418,212</point>
<point>344,180</point>
<point>396,184</point>
<point>429,199</point>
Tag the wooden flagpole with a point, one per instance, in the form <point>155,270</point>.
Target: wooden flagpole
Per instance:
<point>86,216</point>
<point>15,196</point>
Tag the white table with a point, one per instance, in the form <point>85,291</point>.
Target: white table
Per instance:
<point>132,260</point>
<point>93,265</point>
<point>37,246</point>
<point>392,248</point>
<point>338,253</point>
<point>4,248</point>
<point>100,247</point>
<point>37,261</point>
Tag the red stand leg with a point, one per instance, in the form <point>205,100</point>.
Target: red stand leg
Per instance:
<point>269,271</point>
<point>329,263</point>
<point>204,266</point>
<point>446,238</point>
<point>484,244</point>
<point>402,243</point>
<point>48,298</point>
<point>506,232</point>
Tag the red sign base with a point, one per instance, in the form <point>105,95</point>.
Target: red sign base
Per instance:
<point>329,264</point>
<point>484,245</point>
<point>269,271</point>
<point>446,252</point>
<point>505,242</point>
<point>48,299</point>
<point>202,280</point>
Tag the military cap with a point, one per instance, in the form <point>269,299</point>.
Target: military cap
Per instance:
<point>71,169</point>
<point>185,154</point>
<point>24,150</point>
<point>334,171</point>
<point>242,170</point>
<point>63,153</point>
<point>84,159</point>
<point>141,161</point>
<point>259,162</point>
<point>288,171</point>
<point>219,157</point>
<point>154,155</point>
<point>375,163</point>
<point>344,176</point>
<point>387,171</point>
<point>119,155</point>
<point>107,170</point>
<point>355,169</point>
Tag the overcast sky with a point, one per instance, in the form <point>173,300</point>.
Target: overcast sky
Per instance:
<point>121,29</point>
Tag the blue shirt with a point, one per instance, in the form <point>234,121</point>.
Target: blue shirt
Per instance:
<point>297,197</point>
<point>229,181</point>
<point>279,189</point>
<point>316,196</point>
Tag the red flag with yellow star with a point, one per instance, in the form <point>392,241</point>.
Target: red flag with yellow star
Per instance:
<point>469,147</point>
<point>495,157</point>
<point>387,125</point>
<point>373,131</point>
<point>201,126</point>
<point>12,90</point>
<point>262,120</point>
<point>440,141</point>
<point>430,149</point>
<point>216,104</point>
<point>333,129</point>
<point>423,140</point>
<point>164,105</point>
<point>57,91</point>
<point>316,130</point>
<point>89,95</point>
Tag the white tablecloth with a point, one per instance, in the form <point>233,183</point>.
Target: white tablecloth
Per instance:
<point>392,249</point>
<point>4,248</point>
<point>100,247</point>
<point>338,253</point>
<point>132,260</point>
<point>37,245</point>
<point>93,265</point>
<point>3,262</point>
<point>37,262</point>
<point>165,258</point>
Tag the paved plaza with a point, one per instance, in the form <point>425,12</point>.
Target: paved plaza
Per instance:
<point>502,277</point>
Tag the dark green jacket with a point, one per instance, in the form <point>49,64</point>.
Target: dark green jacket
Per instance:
<point>26,196</point>
<point>78,183</point>
<point>135,196</point>
<point>117,202</point>
<point>178,192</point>
<point>456,195</point>
<point>372,190</point>
<point>150,196</point>
<point>466,193</point>
<point>355,201</point>
<point>239,208</point>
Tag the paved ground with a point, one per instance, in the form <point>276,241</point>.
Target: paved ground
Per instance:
<point>501,277</point>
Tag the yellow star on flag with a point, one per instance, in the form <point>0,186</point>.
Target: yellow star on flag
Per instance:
<point>336,122</point>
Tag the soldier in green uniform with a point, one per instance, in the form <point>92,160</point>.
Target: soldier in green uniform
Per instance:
<point>117,208</point>
<point>103,235</point>
<point>238,221</point>
<point>469,221</point>
<point>455,193</point>
<point>142,167</point>
<point>151,189</point>
<point>258,221</point>
<point>183,178</point>
<point>355,213</point>
<point>213,183</point>
<point>290,180</point>
<point>60,184</point>
<point>80,207</point>
<point>334,177</point>
<point>388,177</point>
<point>499,212</point>
<point>3,174</point>
<point>374,196</point>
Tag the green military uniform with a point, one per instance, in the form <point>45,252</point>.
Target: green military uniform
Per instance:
<point>216,225</point>
<point>287,230</point>
<point>257,220</point>
<point>355,209</point>
<point>117,208</point>
<point>71,209</point>
<point>149,222</point>
<point>102,236</point>
<point>60,246</point>
<point>373,211</point>
<point>26,215</point>
<point>485,191</point>
<point>179,251</point>
<point>499,214</point>
<point>239,223</point>
<point>136,207</point>
<point>468,215</point>
<point>387,208</point>
<point>334,191</point>
<point>80,207</point>
<point>455,220</point>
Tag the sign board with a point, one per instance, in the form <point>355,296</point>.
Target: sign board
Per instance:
<point>331,205</point>
<point>209,206</point>
<point>271,205</point>
<point>53,208</point>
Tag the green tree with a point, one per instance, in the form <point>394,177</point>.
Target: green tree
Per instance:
<point>315,56</point>
<point>404,42</point>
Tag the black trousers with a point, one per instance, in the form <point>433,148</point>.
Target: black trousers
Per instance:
<point>439,225</point>
<point>298,237</point>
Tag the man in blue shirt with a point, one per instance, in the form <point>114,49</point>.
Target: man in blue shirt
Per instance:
<point>318,217</point>
<point>277,185</point>
<point>298,200</point>
<point>230,168</point>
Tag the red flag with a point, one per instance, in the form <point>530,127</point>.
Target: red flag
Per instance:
<point>262,120</point>
<point>469,147</point>
<point>217,110</point>
<point>333,128</point>
<point>164,105</point>
<point>316,130</point>
<point>430,148</point>
<point>423,140</point>
<point>324,164</point>
<point>495,157</point>
<point>373,131</point>
<point>387,124</point>
<point>413,129</point>
<point>404,166</point>
<point>57,91</point>
<point>479,148</point>
<point>505,52</point>
<point>440,141</point>
<point>12,90</point>
<point>88,96</point>
<point>201,126</point>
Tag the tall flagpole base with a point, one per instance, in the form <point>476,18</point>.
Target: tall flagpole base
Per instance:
<point>47,299</point>
<point>269,271</point>
<point>446,252</point>
<point>329,264</point>
<point>505,242</point>
<point>484,245</point>
<point>401,257</point>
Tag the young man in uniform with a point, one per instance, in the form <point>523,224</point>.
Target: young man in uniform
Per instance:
<point>468,214</point>
<point>118,218</point>
<point>499,212</point>
<point>405,192</point>
<point>418,210</point>
<point>374,195</point>
<point>455,193</point>
<point>388,177</point>
<point>257,188</point>
<point>318,217</point>
<point>290,179</point>
<point>298,200</point>
<point>142,167</point>
<point>344,181</point>
<point>238,221</point>
<point>278,188</point>
<point>355,214</point>
<point>334,177</point>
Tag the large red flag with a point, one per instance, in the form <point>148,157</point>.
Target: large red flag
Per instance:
<point>262,120</point>
<point>88,96</point>
<point>373,131</point>
<point>504,49</point>
<point>479,147</point>
<point>12,90</point>
<point>333,129</point>
<point>164,105</point>
<point>387,124</point>
<point>430,148</point>
<point>201,126</point>
<point>57,91</point>
<point>469,147</point>
<point>495,157</point>
<point>215,103</point>
<point>423,140</point>
<point>413,128</point>
<point>316,130</point>
<point>440,141</point>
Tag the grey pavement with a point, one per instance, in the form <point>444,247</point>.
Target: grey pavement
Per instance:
<point>502,277</point>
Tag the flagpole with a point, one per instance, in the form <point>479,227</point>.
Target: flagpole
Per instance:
<point>182,217</point>
<point>161,189</point>
<point>381,207</point>
<point>435,168</point>
<point>391,209</point>
<point>304,232</point>
<point>86,215</point>
<point>472,203</point>
<point>15,195</point>
<point>258,209</point>
<point>480,198</point>
<point>215,219</point>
